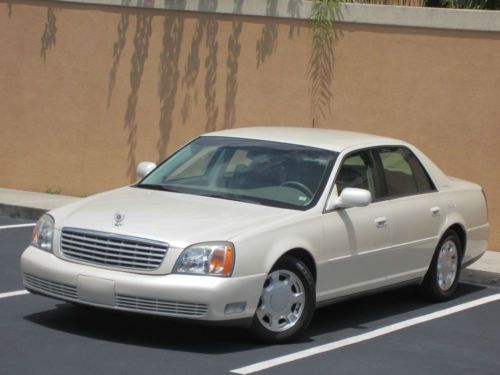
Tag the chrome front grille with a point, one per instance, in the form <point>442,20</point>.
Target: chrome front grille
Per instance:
<point>51,287</point>
<point>112,250</point>
<point>160,306</point>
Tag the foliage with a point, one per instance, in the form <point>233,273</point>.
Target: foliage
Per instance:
<point>323,16</point>
<point>464,4</point>
<point>50,190</point>
<point>324,9</point>
<point>321,60</point>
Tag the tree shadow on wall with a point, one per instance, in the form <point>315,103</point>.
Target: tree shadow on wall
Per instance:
<point>192,69</point>
<point>268,41</point>
<point>118,48</point>
<point>233,53</point>
<point>9,8</point>
<point>294,12</point>
<point>267,44</point>
<point>173,30</point>
<point>141,47</point>
<point>211,107</point>
<point>48,39</point>
<point>206,29</point>
<point>320,70</point>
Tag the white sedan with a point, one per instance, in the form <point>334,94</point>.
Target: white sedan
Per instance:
<point>260,226</point>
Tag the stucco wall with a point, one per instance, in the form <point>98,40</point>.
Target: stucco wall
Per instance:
<point>87,91</point>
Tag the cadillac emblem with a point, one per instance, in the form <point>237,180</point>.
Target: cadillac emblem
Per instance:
<point>119,217</point>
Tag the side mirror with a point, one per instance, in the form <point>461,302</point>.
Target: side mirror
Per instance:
<point>144,168</point>
<point>350,197</point>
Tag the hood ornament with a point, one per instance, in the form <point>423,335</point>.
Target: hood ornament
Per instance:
<point>119,217</point>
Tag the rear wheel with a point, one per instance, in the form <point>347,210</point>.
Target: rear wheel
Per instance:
<point>441,279</point>
<point>286,304</point>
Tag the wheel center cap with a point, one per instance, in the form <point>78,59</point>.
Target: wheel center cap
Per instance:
<point>279,299</point>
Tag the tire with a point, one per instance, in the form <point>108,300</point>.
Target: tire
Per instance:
<point>287,302</point>
<point>442,277</point>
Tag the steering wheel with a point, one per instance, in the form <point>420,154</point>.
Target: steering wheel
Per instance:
<point>299,186</point>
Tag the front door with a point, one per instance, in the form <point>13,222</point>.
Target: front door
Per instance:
<point>358,238</point>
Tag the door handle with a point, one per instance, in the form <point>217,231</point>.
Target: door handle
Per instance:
<point>435,211</point>
<point>381,222</point>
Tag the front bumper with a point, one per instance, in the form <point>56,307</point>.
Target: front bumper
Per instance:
<point>182,296</point>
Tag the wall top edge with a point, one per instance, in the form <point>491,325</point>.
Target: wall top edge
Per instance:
<point>389,15</point>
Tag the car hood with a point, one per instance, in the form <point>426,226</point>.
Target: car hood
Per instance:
<point>179,219</point>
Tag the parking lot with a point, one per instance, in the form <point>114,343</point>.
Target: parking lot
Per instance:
<point>389,333</point>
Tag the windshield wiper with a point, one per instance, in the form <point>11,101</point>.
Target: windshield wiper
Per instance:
<point>211,195</point>
<point>232,198</point>
<point>157,187</point>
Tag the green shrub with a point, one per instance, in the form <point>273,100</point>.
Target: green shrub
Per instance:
<point>464,4</point>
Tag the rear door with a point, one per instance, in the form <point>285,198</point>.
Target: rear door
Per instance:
<point>417,210</point>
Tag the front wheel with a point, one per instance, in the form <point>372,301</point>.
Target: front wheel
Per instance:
<point>442,277</point>
<point>286,304</point>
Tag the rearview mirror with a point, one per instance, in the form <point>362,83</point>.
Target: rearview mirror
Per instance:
<point>350,197</point>
<point>144,168</point>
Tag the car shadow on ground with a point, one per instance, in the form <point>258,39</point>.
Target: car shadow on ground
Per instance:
<point>162,333</point>
<point>360,313</point>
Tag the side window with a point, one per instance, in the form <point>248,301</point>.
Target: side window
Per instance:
<point>358,171</point>
<point>424,183</point>
<point>404,175</point>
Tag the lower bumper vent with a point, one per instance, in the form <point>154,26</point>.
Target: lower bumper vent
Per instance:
<point>161,306</point>
<point>51,287</point>
<point>139,304</point>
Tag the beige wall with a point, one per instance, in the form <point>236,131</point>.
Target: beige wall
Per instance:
<point>86,92</point>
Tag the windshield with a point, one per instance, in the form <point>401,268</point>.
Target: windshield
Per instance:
<point>261,172</point>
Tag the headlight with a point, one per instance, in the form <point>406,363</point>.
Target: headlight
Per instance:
<point>208,258</point>
<point>43,233</point>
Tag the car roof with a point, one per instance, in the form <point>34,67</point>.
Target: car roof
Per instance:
<point>328,139</point>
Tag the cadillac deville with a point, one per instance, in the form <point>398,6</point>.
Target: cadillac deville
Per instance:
<point>260,226</point>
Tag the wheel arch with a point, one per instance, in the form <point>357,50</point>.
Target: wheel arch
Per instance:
<point>456,226</point>
<point>456,222</point>
<point>305,257</point>
<point>462,236</point>
<point>303,310</point>
<point>430,284</point>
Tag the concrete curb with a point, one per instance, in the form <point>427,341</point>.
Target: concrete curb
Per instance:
<point>30,205</point>
<point>485,271</point>
<point>480,277</point>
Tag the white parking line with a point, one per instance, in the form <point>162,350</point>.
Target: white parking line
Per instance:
<point>14,293</point>
<point>260,366</point>
<point>17,226</point>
